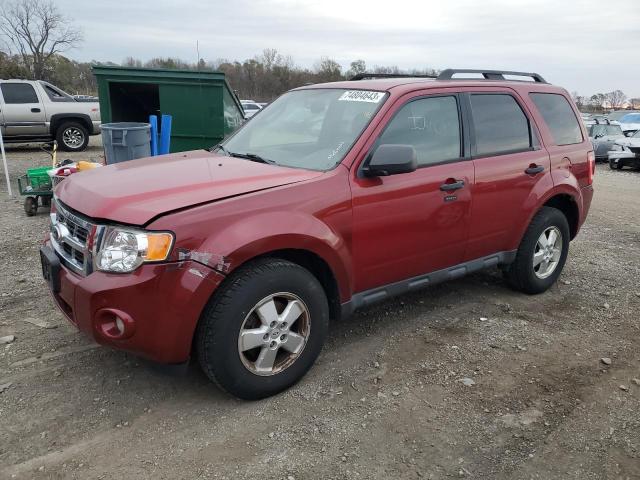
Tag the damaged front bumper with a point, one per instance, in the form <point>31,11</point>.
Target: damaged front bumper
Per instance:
<point>151,312</point>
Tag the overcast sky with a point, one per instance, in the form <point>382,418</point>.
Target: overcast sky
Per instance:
<point>589,46</point>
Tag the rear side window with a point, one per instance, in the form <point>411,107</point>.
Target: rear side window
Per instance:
<point>18,93</point>
<point>500,125</point>
<point>431,125</point>
<point>559,117</point>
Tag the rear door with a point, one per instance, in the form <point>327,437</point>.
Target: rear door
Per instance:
<point>408,224</point>
<point>23,111</point>
<point>511,169</point>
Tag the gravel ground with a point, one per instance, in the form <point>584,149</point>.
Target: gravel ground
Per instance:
<point>466,379</point>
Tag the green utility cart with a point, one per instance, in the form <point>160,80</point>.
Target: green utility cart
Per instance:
<point>202,104</point>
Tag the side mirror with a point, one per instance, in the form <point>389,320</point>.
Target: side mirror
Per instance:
<point>391,159</point>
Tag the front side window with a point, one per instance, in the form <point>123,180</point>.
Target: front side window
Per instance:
<point>312,128</point>
<point>431,125</point>
<point>500,125</point>
<point>18,93</point>
<point>559,117</point>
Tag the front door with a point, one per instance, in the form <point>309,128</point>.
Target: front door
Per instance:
<point>413,223</point>
<point>23,112</point>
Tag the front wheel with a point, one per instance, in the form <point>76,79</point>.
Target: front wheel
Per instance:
<point>264,328</point>
<point>542,252</point>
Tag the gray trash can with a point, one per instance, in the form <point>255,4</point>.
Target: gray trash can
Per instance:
<point>126,141</point>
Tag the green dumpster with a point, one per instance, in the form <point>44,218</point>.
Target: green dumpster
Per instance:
<point>202,104</point>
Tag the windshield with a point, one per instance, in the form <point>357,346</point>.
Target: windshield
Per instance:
<point>312,129</point>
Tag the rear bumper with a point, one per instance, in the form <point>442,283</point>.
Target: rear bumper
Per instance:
<point>95,127</point>
<point>159,304</point>
<point>587,196</point>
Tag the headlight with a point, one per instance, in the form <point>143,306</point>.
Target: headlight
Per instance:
<point>123,250</point>
<point>616,148</point>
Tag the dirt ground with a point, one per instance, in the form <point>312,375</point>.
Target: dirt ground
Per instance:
<point>385,400</point>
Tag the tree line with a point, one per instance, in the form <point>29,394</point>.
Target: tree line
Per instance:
<point>34,34</point>
<point>601,102</point>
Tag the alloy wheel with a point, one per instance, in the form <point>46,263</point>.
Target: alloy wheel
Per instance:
<point>73,137</point>
<point>274,334</point>
<point>547,252</point>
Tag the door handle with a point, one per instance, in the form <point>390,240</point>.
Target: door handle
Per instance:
<point>452,184</point>
<point>534,169</point>
<point>35,110</point>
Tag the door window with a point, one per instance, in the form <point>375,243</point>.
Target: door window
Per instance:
<point>500,125</point>
<point>18,93</point>
<point>559,117</point>
<point>431,125</point>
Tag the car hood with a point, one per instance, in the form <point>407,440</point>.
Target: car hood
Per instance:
<point>629,142</point>
<point>136,191</point>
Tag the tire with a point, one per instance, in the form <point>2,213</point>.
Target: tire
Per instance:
<point>522,274</point>
<point>46,201</point>
<point>31,206</point>
<point>612,165</point>
<point>72,137</point>
<point>243,371</point>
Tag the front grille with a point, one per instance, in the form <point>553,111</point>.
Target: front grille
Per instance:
<point>70,238</point>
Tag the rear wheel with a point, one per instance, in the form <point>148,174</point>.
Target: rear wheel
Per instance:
<point>542,252</point>
<point>263,329</point>
<point>72,137</point>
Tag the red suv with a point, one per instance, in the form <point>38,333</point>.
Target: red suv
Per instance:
<point>334,197</point>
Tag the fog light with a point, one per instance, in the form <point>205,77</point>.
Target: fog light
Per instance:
<point>114,324</point>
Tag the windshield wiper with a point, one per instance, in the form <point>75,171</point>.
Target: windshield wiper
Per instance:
<point>219,147</point>
<point>251,156</point>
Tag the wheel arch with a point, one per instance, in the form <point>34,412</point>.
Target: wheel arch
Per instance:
<point>58,119</point>
<point>567,204</point>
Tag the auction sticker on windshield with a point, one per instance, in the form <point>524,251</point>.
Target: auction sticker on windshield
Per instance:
<point>361,96</point>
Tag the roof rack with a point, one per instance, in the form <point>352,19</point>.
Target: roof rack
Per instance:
<point>363,76</point>
<point>602,121</point>
<point>489,74</point>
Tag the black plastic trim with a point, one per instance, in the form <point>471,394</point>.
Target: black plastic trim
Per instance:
<point>448,74</point>
<point>364,76</point>
<point>369,297</point>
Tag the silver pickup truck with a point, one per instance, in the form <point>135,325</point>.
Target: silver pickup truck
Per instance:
<point>36,111</point>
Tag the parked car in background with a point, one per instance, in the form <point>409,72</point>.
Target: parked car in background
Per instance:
<point>36,111</point>
<point>630,123</point>
<point>592,119</point>
<point>250,108</point>
<point>241,255</point>
<point>625,152</point>
<point>603,137</point>
<point>618,114</point>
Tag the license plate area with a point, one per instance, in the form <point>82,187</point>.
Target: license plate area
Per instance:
<point>50,268</point>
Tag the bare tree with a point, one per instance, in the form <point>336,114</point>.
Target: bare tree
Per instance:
<point>616,98</point>
<point>38,31</point>
<point>635,103</point>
